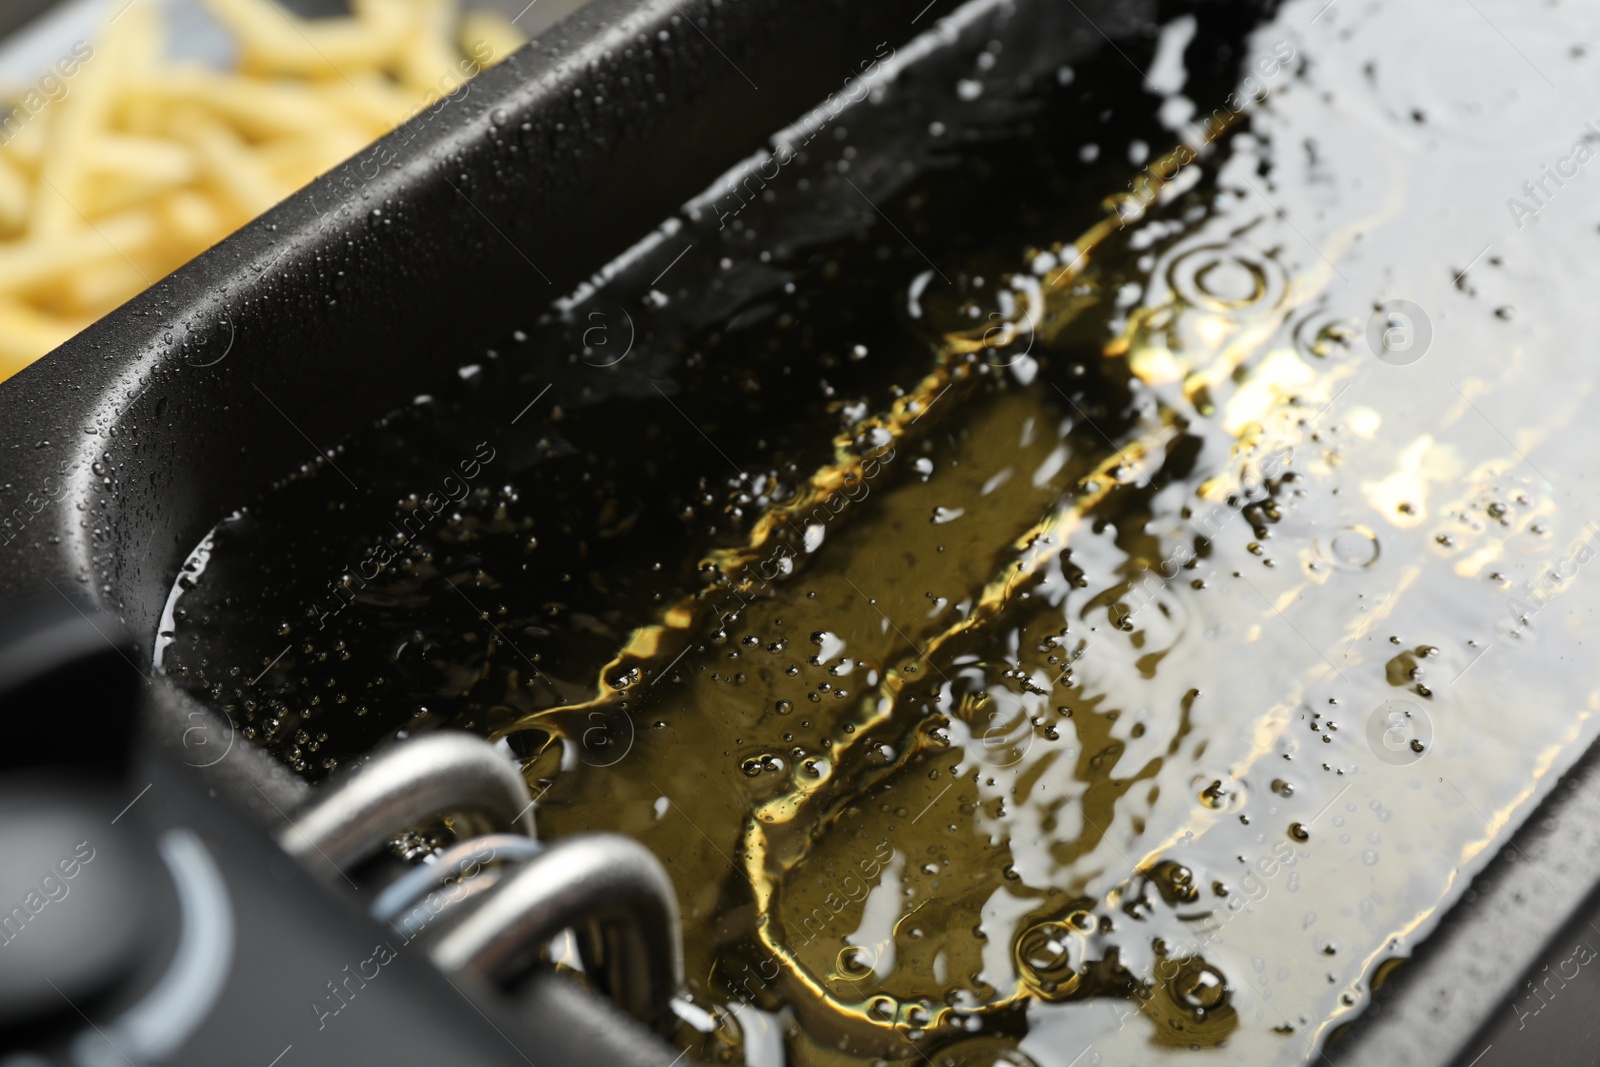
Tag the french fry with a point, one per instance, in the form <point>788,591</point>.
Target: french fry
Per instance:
<point>139,158</point>
<point>26,333</point>
<point>100,195</point>
<point>137,113</point>
<point>491,28</point>
<point>228,163</point>
<point>36,262</point>
<point>297,160</point>
<point>28,145</point>
<point>257,108</point>
<point>371,99</point>
<point>389,20</point>
<point>193,219</point>
<point>105,284</point>
<point>130,169</point>
<point>428,58</point>
<point>273,41</point>
<point>15,195</point>
<point>80,116</point>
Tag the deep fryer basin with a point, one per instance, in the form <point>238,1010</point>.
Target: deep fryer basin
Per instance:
<point>127,443</point>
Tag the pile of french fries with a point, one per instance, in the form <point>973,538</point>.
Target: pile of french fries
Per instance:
<point>124,164</point>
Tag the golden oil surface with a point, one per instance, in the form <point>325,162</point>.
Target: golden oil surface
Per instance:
<point>1117,634</point>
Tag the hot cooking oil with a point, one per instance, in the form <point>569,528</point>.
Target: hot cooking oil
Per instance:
<point>1057,558</point>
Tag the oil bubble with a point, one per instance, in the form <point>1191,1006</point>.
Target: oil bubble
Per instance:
<point>1222,278</point>
<point>1050,957</point>
<point>1351,548</point>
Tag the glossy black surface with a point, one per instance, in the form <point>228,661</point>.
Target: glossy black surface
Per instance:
<point>329,310</point>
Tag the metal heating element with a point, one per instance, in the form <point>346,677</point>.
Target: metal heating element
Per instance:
<point>509,894</point>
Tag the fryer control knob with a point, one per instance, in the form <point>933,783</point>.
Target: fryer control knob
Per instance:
<point>75,896</point>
